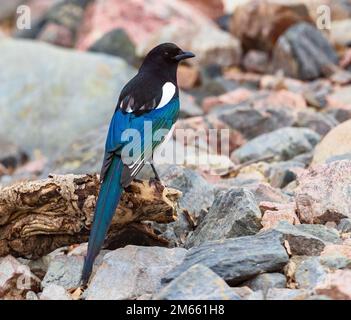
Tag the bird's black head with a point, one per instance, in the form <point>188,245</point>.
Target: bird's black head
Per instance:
<point>165,56</point>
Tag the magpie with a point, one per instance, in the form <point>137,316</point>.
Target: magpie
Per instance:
<point>151,96</point>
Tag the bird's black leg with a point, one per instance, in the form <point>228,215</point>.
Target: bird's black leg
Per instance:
<point>157,177</point>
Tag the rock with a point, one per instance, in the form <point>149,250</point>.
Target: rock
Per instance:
<point>64,271</point>
<point>335,143</point>
<point>264,192</point>
<point>344,225</point>
<point>234,213</point>
<point>340,99</point>
<point>211,8</point>
<point>310,273</point>
<point>256,61</point>
<point>280,174</point>
<point>16,279</point>
<point>300,242</point>
<point>187,76</point>
<point>319,122</point>
<point>273,213</point>
<point>336,256</point>
<point>266,281</point>
<point>54,292</point>
<point>197,193</point>
<point>11,156</point>
<point>30,295</point>
<point>232,97</point>
<point>330,235</point>
<point>236,260</point>
<point>258,24</point>
<point>322,194</point>
<point>287,294</point>
<point>132,271</point>
<point>212,45</point>
<point>282,144</point>
<point>90,99</point>
<point>302,52</point>
<point>340,33</point>
<point>56,34</point>
<point>337,286</point>
<point>202,128</point>
<point>8,9</point>
<point>116,43</point>
<point>197,283</point>
<point>252,120</point>
<point>345,61</point>
<point>316,93</point>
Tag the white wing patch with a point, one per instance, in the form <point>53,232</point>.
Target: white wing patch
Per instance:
<point>168,91</point>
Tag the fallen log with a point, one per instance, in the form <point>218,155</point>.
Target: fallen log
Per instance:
<point>36,217</point>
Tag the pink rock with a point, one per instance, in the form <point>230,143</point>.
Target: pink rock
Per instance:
<point>337,285</point>
<point>16,279</point>
<point>273,213</point>
<point>337,250</point>
<point>345,61</point>
<point>283,98</point>
<point>211,8</point>
<point>323,193</point>
<point>39,7</point>
<point>232,97</point>
<point>139,18</point>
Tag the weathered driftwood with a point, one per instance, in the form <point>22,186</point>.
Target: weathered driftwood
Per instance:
<point>37,217</point>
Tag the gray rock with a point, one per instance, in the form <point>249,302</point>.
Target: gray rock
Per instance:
<point>54,292</point>
<point>282,144</point>
<point>77,103</point>
<point>30,295</point>
<point>319,122</point>
<point>116,43</point>
<point>198,194</point>
<point>287,294</point>
<point>197,283</point>
<point>300,242</point>
<point>280,174</point>
<point>252,121</point>
<point>237,260</point>
<point>335,262</point>
<point>64,271</point>
<point>234,213</point>
<point>322,232</point>
<point>344,225</point>
<point>266,281</point>
<point>310,273</point>
<point>132,271</point>
<point>303,52</point>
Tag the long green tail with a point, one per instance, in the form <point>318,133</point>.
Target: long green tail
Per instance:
<point>106,205</point>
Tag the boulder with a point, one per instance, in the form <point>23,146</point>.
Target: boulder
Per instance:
<point>336,143</point>
<point>282,144</point>
<point>322,193</point>
<point>258,24</point>
<point>77,103</point>
<point>197,283</point>
<point>303,52</point>
<point>236,260</point>
<point>132,271</point>
<point>234,213</point>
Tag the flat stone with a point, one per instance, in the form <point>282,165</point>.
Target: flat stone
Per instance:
<point>287,294</point>
<point>282,144</point>
<point>310,273</point>
<point>236,260</point>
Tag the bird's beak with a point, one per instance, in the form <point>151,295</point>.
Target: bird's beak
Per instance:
<point>184,55</point>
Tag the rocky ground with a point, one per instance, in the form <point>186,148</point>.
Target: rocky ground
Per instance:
<point>270,221</point>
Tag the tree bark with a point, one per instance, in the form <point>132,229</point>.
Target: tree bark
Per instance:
<point>36,217</point>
